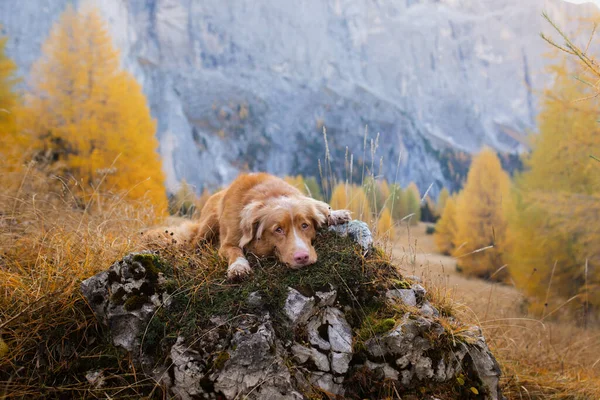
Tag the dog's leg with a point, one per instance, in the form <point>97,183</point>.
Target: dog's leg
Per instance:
<point>238,268</point>
<point>332,217</point>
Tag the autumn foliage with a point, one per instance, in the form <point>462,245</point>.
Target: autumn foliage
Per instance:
<point>445,229</point>
<point>87,117</point>
<point>555,232</point>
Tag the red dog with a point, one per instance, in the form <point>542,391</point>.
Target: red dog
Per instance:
<point>264,215</point>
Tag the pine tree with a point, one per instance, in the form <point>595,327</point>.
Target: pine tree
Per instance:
<point>445,229</point>
<point>481,210</point>
<point>8,107</point>
<point>90,114</point>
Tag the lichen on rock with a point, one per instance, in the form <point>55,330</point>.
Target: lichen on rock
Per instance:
<point>348,326</point>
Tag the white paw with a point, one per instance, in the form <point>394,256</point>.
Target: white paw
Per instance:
<point>239,270</point>
<point>338,217</point>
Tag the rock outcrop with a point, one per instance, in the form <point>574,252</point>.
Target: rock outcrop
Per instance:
<point>349,326</point>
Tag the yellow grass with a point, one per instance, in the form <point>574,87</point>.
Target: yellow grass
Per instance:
<point>540,358</point>
<point>54,233</point>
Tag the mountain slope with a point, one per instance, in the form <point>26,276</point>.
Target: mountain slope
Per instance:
<point>250,85</point>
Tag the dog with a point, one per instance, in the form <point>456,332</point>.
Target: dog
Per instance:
<point>261,214</point>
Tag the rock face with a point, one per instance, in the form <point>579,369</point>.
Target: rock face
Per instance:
<point>241,86</point>
<point>384,336</point>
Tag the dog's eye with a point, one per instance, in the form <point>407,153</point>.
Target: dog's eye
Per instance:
<point>305,226</point>
<point>279,230</point>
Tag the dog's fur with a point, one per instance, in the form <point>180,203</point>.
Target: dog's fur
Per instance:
<point>263,215</point>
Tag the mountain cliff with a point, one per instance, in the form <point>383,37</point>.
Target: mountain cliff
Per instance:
<point>250,85</point>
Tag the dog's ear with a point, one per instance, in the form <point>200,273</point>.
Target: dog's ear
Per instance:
<point>250,223</point>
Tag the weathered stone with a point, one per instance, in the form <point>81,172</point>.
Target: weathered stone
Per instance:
<point>420,292</point>
<point>340,362</point>
<point>314,326</point>
<point>339,331</point>
<point>255,300</point>
<point>406,296</point>
<point>303,354</point>
<point>325,381</point>
<point>242,356</point>
<point>187,371</point>
<point>125,297</point>
<point>326,298</point>
<point>388,372</point>
<point>253,366</point>
<point>428,310</point>
<point>298,307</point>
<point>358,231</point>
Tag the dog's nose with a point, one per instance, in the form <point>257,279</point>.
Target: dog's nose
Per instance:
<point>301,257</point>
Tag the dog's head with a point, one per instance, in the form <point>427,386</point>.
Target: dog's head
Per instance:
<point>284,226</point>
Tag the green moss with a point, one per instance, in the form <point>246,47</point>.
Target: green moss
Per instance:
<point>118,297</point>
<point>151,264</point>
<point>384,325</point>
<point>400,284</point>
<point>220,360</point>
<point>135,302</point>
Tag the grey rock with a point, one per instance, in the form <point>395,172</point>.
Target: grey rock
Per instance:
<point>187,371</point>
<point>420,292</point>
<point>314,336</point>
<point>339,331</point>
<point>388,372</point>
<point>244,357</point>
<point>298,307</point>
<point>326,298</point>
<point>340,362</point>
<point>406,296</point>
<point>357,230</point>
<point>326,382</point>
<point>428,310</point>
<point>255,300</point>
<point>108,293</point>
<point>303,354</point>
<point>253,367</point>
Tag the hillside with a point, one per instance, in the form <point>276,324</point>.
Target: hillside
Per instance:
<point>250,87</point>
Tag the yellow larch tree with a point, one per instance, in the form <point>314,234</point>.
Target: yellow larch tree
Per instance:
<point>8,108</point>
<point>413,203</point>
<point>385,226</point>
<point>353,198</point>
<point>445,228</point>
<point>442,198</point>
<point>90,114</point>
<point>555,232</point>
<point>481,224</point>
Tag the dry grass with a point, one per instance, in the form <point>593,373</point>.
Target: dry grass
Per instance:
<point>540,358</point>
<point>53,234</point>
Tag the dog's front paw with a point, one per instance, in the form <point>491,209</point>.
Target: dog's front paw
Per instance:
<point>239,270</point>
<point>338,217</point>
